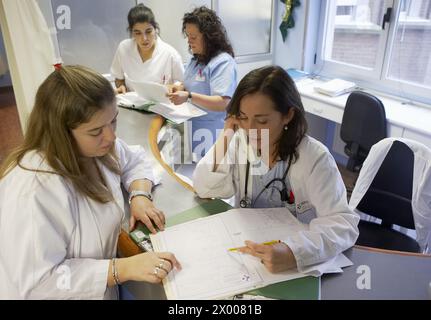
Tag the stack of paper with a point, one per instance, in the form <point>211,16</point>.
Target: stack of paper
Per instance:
<point>335,87</point>
<point>210,270</point>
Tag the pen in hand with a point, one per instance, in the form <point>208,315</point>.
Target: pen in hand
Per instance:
<point>268,243</point>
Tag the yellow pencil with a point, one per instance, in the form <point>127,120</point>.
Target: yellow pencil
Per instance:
<point>268,243</point>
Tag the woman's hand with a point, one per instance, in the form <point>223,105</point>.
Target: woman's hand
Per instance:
<point>143,209</point>
<point>232,123</point>
<point>177,86</point>
<point>178,97</point>
<point>276,258</point>
<point>121,89</point>
<point>151,267</point>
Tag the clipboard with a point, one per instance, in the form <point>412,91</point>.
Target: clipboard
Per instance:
<point>306,288</point>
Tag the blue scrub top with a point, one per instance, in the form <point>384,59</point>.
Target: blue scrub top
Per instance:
<point>270,197</point>
<point>217,78</point>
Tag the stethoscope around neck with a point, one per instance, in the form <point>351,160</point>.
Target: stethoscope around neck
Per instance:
<point>246,202</point>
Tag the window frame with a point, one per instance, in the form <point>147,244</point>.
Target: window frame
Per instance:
<point>378,78</point>
<point>256,56</point>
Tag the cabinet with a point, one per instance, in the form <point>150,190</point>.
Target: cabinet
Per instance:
<point>419,137</point>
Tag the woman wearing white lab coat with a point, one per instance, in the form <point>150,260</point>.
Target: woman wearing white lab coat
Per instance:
<point>421,200</point>
<point>145,57</point>
<point>266,117</point>
<point>61,204</point>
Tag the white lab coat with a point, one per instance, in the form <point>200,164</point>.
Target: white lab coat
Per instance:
<point>320,197</point>
<point>421,193</point>
<point>164,66</point>
<point>50,233</point>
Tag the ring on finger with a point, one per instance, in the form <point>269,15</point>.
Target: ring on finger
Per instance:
<point>156,271</point>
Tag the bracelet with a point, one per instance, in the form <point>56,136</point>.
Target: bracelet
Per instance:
<point>115,272</point>
<point>135,193</point>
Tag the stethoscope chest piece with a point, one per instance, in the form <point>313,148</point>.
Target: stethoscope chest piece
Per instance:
<point>245,203</point>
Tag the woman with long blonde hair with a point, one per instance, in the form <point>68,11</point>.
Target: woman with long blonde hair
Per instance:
<point>61,203</point>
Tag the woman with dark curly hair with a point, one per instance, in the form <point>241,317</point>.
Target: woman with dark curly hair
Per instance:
<point>210,77</point>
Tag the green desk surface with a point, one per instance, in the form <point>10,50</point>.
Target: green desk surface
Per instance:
<point>306,288</point>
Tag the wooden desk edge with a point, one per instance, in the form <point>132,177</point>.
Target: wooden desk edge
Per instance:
<point>402,253</point>
<point>155,126</point>
<point>126,246</point>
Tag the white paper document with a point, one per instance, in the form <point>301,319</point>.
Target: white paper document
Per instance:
<point>177,113</point>
<point>209,269</point>
<point>151,96</point>
<point>151,90</point>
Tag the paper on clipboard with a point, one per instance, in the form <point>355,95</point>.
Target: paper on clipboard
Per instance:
<point>151,90</point>
<point>155,94</point>
<point>209,269</point>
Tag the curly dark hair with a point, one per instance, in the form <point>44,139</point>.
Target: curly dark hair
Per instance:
<point>275,83</point>
<point>214,33</point>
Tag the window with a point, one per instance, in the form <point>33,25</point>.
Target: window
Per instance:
<point>245,20</point>
<point>410,59</point>
<point>391,56</point>
<point>96,28</point>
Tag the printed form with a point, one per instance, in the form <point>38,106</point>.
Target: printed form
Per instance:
<point>209,269</point>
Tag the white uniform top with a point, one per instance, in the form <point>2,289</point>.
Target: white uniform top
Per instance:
<point>56,243</point>
<point>421,193</point>
<point>165,66</point>
<point>320,197</point>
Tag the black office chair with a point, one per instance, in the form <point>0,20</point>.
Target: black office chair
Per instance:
<point>389,199</point>
<point>363,125</point>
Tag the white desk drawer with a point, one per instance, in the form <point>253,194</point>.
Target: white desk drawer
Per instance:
<point>323,110</point>
<point>409,134</point>
<point>394,130</point>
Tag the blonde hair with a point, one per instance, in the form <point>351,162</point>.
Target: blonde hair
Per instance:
<point>69,97</point>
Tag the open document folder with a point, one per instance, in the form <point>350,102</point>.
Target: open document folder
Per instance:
<point>210,270</point>
<point>151,96</point>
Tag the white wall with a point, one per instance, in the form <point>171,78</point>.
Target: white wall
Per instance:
<point>169,15</point>
<point>170,22</point>
<point>244,68</point>
<point>289,54</point>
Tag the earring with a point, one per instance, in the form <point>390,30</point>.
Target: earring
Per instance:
<point>285,127</point>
